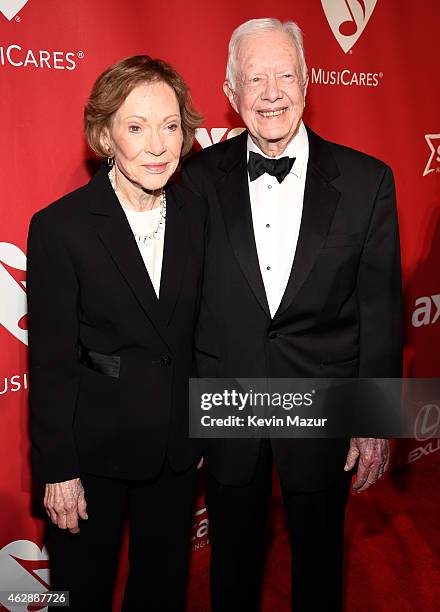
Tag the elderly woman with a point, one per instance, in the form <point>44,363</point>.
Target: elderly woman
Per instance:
<point>113,283</point>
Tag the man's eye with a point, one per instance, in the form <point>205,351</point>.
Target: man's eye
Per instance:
<point>255,79</point>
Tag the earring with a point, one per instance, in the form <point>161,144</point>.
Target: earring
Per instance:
<point>110,162</point>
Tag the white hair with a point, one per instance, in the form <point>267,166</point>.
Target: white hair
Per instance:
<point>256,26</point>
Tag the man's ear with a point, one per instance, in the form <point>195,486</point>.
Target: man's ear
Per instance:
<point>306,84</point>
<point>229,93</point>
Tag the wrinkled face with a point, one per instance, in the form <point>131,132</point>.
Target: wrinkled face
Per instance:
<point>145,135</point>
<point>268,93</point>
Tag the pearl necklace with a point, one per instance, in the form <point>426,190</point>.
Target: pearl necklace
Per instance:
<point>145,239</point>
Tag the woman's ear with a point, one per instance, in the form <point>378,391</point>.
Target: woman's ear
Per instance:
<point>106,142</point>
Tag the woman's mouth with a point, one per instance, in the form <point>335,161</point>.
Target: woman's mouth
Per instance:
<point>156,168</point>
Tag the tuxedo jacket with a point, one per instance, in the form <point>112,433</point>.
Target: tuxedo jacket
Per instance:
<point>341,312</point>
<point>109,361</point>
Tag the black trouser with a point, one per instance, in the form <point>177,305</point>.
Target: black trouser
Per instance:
<point>237,518</point>
<point>160,519</point>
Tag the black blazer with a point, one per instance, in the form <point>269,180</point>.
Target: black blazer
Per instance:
<point>109,362</point>
<point>341,313</point>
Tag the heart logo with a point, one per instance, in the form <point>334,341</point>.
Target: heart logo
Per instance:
<point>13,305</point>
<point>23,568</point>
<point>434,158</point>
<point>10,8</point>
<point>348,19</point>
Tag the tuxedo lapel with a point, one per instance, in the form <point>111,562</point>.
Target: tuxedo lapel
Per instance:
<point>175,254</point>
<point>115,233</point>
<point>234,197</point>
<point>319,205</point>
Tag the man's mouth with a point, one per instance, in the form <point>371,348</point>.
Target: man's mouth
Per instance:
<point>272,113</point>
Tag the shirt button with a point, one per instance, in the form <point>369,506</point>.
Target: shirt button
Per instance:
<point>267,225</point>
<point>165,361</point>
<point>272,335</point>
<point>269,186</point>
<point>268,268</point>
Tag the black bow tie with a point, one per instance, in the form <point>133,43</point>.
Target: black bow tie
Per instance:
<point>258,165</point>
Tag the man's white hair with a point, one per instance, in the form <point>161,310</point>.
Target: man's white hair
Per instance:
<point>257,26</point>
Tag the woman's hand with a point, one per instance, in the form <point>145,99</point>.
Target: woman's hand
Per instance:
<point>65,502</point>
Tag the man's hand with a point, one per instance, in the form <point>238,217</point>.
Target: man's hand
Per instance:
<point>64,503</point>
<point>374,456</point>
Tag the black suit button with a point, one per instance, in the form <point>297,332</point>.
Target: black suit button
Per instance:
<point>272,335</point>
<point>165,361</point>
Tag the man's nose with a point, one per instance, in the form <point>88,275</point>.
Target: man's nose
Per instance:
<point>272,91</point>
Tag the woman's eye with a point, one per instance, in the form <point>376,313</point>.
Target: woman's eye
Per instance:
<point>134,128</point>
<point>172,127</point>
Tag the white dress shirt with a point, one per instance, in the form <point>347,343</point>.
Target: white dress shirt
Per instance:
<point>276,217</point>
<point>143,223</point>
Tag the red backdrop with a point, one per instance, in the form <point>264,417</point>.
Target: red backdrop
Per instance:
<point>373,85</point>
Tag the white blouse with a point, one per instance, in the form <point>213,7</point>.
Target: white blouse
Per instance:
<point>144,223</point>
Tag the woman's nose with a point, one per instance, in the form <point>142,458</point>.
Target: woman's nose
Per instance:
<point>155,143</point>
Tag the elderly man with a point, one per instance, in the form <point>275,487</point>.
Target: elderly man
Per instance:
<point>302,279</point>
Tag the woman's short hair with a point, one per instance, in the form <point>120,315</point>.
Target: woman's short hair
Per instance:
<point>113,86</point>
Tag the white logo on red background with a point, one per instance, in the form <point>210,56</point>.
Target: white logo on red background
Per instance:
<point>427,422</point>
<point>206,139</point>
<point>10,8</point>
<point>348,19</point>
<point>345,77</point>
<point>426,431</point>
<point>23,568</point>
<point>16,56</point>
<point>15,383</point>
<point>433,165</point>
<point>200,537</point>
<point>427,311</point>
<point>13,303</point>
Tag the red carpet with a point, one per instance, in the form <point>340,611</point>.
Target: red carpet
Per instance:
<point>392,547</point>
